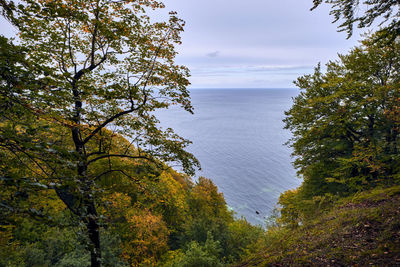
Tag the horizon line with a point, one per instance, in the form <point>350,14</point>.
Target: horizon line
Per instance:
<point>199,88</point>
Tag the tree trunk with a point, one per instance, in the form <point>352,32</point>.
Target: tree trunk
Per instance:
<point>89,217</point>
<point>89,213</point>
<point>94,236</point>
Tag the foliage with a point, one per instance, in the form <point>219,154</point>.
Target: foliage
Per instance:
<point>360,230</point>
<point>83,161</point>
<point>146,239</point>
<point>344,138</point>
<point>209,214</point>
<point>243,239</point>
<point>364,13</point>
<point>207,255</point>
<point>297,208</point>
<point>138,227</point>
<point>291,212</point>
<point>88,72</point>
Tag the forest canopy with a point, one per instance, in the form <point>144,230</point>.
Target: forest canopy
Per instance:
<point>345,122</point>
<point>78,92</point>
<point>84,164</point>
<point>85,168</point>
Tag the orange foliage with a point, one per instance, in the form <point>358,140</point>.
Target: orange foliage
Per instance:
<point>144,234</point>
<point>146,239</point>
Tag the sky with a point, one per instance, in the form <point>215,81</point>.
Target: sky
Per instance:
<point>255,43</point>
<point>252,43</point>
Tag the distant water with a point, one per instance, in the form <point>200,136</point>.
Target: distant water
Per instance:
<point>238,137</point>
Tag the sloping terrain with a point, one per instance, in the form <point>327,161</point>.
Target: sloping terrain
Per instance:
<point>363,230</point>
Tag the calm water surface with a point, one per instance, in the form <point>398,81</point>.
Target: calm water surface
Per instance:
<point>238,137</point>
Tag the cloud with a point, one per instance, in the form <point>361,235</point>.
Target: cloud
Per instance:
<point>262,41</point>
<point>248,69</point>
<point>278,68</point>
<point>213,54</point>
<point>247,76</point>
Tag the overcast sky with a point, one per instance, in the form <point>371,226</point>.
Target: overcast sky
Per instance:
<point>253,43</point>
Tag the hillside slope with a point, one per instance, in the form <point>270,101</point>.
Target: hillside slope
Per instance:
<point>358,231</point>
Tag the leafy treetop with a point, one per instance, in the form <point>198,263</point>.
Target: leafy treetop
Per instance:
<point>364,13</point>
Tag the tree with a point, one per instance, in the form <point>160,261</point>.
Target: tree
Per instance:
<point>345,136</point>
<point>16,75</point>
<point>363,14</point>
<point>207,255</point>
<point>98,69</point>
<point>208,213</point>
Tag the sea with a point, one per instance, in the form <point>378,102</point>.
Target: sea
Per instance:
<point>238,137</point>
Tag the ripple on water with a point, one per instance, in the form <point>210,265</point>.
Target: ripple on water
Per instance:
<point>238,137</point>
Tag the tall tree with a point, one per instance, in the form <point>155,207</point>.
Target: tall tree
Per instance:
<point>100,69</point>
<point>345,135</point>
<point>364,13</point>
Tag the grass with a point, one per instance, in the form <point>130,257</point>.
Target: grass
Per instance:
<point>362,230</point>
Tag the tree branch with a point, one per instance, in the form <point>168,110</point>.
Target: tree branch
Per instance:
<point>118,156</point>
<point>111,171</point>
<point>111,119</point>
